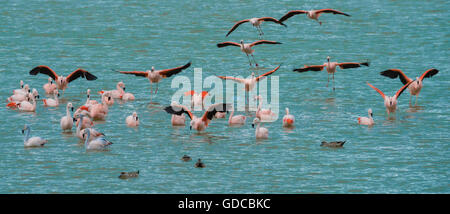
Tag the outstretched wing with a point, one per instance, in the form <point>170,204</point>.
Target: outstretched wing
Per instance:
<point>224,44</point>
<point>137,73</point>
<point>43,69</point>
<point>271,19</point>
<point>267,74</point>
<point>376,89</point>
<point>332,11</point>
<point>399,92</point>
<point>80,73</point>
<point>213,109</point>
<point>237,25</point>
<point>429,73</point>
<point>394,73</point>
<point>232,78</point>
<point>292,13</point>
<point>310,68</point>
<point>178,110</point>
<point>264,42</point>
<point>345,65</point>
<point>169,72</point>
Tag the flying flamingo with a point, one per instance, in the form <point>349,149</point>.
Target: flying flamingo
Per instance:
<point>95,144</point>
<point>196,98</point>
<point>247,47</point>
<point>331,67</point>
<point>32,141</point>
<point>52,102</point>
<point>312,14</point>
<point>67,121</point>
<point>256,22</point>
<point>416,85</point>
<point>368,121</point>
<point>198,123</point>
<point>260,132</point>
<point>154,76</point>
<point>390,102</point>
<point>132,120</point>
<point>236,119</point>
<point>288,119</point>
<point>49,87</point>
<point>61,81</point>
<point>250,83</point>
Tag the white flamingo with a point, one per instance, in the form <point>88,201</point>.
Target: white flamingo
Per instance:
<point>236,119</point>
<point>132,120</point>
<point>32,141</point>
<point>50,86</point>
<point>98,143</point>
<point>67,121</point>
<point>260,132</point>
<point>52,102</point>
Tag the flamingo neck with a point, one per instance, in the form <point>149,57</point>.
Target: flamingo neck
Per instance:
<point>87,138</point>
<point>231,115</point>
<point>27,135</point>
<point>68,112</point>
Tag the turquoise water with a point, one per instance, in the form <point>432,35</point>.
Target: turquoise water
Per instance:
<point>407,154</point>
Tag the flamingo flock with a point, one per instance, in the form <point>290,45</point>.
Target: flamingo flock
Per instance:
<point>25,98</point>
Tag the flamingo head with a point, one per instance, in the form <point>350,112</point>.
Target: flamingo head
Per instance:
<point>88,93</point>
<point>21,84</point>
<point>242,42</point>
<point>153,69</point>
<point>25,127</point>
<point>255,121</point>
<point>69,105</point>
<point>370,112</point>
<point>121,85</point>
<point>27,88</point>
<point>328,58</point>
<point>135,116</point>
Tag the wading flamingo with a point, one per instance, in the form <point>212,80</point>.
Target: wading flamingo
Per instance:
<point>132,120</point>
<point>390,102</point>
<point>198,123</point>
<point>416,85</point>
<point>368,121</point>
<point>312,14</point>
<point>80,133</point>
<point>49,87</point>
<point>154,76</point>
<point>67,121</point>
<point>32,141</point>
<point>247,47</point>
<point>236,119</point>
<point>256,22</point>
<point>260,132</point>
<point>288,119</point>
<point>52,102</point>
<point>61,81</point>
<point>331,67</point>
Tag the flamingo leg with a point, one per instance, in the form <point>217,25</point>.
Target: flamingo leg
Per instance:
<point>417,96</point>
<point>328,80</point>
<point>156,88</point>
<point>151,88</point>
<point>260,29</point>
<point>249,60</point>
<point>256,64</point>
<point>333,82</point>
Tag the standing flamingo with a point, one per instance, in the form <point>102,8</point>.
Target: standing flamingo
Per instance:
<point>416,85</point>
<point>132,120</point>
<point>256,22</point>
<point>52,102</point>
<point>247,47</point>
<point>312,14</point>
<point>67,121</point>
<point>288,119</point>
<point>95,144</point>
<point>154,76</point>
<point>390,102</point>
<point>260,132</point>
<point>331,67</point>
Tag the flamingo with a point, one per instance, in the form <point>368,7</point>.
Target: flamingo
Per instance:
<point>87,121</point>
<point>247,47</point>
<point>368,121</point>
<point>132,120</point>
<point>117,94</point>
<point>80,133</point>
<point>67,121</point>
<point>28,106</point>
<point>89,102</point>
<point>61,81</point>
<point>331,67</point>
<point>23,90</point>
<point>99,111</point>
<point>250,83</point>
<point>32,141</point>
<point>198,123</point>
<point>49,87</point>
<point>18,97</point>
<point>390,102</point>
<point>127,96</point>
<point>154,76</point>
<point>95,144</point>
<point>263,114</point>
<point>256,22</point>
<point>312,14</point>
<point>236,119</point>
<point>288,119</point>
<point>52,102</point>
<point>260,132</point>
<point>416,85</point>
<point>109,99</point>
<point>20,89</point>
<point>196,98</point>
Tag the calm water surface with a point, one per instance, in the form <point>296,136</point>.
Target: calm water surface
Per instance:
<point>407,154</point>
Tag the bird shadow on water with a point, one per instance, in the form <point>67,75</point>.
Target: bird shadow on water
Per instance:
<point>204,137</point>
<point>414,109</point>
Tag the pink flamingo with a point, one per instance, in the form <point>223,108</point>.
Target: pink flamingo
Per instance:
<point>132,120</point>
<point>67,121</point>
<point>49,87</point>
<point>52,102</point>
<point>236,119</point>
<point>196,98</point>
<point>368,121</point>
<point>256,22</point>
<point>288,119</point>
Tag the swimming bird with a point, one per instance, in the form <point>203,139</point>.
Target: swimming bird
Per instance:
<point>95,144</point>
<point>80,133</point>
<point>331,67</point>
<point>198,123</point>
<point>109,99</point>
<point>28,105</point>
<point>89,102</point>
<point>236,119</point>
<point>368,121</point>
<point>390,102</point>
<point>61,81</point>
<point>20,90</point>
<point>260,132</point>
<point>126,96</point>
<point>154,76</point>
<point>67,121</point>
<point>416,85</point>
<point>247,47</point>
<point>186,158</point>
<point>19,96</point>
<point>249,83</point>
<point>126,175</point>
<point>132,120</point>
<point>49,87</point>
<point>32,141</point>
<point>199,164</point>
<point>265,115</point>
<point>335,144</point>
<point>312,14</point>
<point>256,22</point>
<point>52,102</point>
<point>288,119</point>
